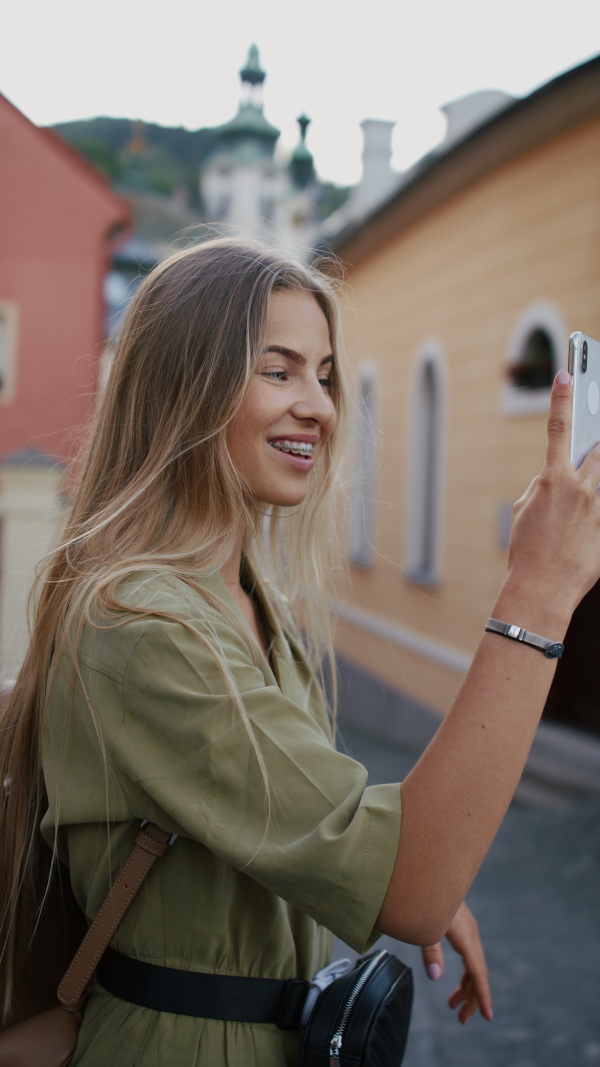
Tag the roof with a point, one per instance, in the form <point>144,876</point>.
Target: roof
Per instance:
<point>557,106</point>
<point>249,122</point>
<point>78,162</point>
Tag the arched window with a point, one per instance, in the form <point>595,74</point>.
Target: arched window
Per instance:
<point>535,367</point>
<point>362,505</point>
<point>426,453</point>
<point>537,349</point>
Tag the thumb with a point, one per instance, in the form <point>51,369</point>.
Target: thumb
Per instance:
<point>433,961</point>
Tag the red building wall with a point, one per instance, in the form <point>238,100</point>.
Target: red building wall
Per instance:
<point>58,223</point>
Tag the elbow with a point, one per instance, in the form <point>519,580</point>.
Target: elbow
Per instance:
<point>425,932</point>
<point>416,925</point>
<point>420,932</point>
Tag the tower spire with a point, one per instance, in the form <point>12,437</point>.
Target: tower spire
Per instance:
<point>249,126</point>
<point>252,72</point>
<point>302,163</point>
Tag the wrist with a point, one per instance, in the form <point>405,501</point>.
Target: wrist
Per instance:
<point>533,606</point>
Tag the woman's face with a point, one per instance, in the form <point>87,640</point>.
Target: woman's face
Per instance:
<point>287,414</point>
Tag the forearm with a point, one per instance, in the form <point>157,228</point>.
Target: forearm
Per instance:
<point>457,794</point>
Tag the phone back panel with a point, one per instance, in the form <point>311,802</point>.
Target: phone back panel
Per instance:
<point>586,396</point>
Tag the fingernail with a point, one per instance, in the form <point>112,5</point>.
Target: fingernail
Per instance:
<point>563,377</point>
<point>434,971</point>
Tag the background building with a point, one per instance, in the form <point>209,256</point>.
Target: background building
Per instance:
<point>246,190</point>
<point>186,185</point>
<point>464,287</point>
<point>60,223</point>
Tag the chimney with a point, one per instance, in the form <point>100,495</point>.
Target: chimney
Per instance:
<point>378,178</point>
<point>468,112</point>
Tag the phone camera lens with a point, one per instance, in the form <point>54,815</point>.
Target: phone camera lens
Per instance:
<point>584,357</point>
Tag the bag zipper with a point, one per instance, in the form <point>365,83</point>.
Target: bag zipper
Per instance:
<point>335,1045</point>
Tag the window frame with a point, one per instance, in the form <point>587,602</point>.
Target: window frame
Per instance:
<point>421,497</point>
<point>9,313</point>
<point>541,315</point>
<point>361,519</point>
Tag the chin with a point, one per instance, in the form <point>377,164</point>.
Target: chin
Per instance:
<point>285,499</point>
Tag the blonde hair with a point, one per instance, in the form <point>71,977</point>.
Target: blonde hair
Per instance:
<point>157,490</point>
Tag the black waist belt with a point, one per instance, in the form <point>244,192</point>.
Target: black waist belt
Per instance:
<point>206,996</point>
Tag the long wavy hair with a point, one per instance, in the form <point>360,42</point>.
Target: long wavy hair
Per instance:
<point>157,490</point>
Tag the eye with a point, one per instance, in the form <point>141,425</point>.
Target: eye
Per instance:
<point>326,382</point>
<point>275,375</point>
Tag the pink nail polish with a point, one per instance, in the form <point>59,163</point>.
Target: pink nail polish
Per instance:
<point>434,971</point>
<point>563,377</point>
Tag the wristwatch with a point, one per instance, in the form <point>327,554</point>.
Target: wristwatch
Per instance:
<point>551,649</point>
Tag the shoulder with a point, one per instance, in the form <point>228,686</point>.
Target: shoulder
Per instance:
<point>167,618</point>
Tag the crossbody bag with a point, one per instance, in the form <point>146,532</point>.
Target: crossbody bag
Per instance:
<point>48,1038</point>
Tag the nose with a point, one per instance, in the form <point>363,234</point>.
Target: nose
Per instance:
<point>314,403</point>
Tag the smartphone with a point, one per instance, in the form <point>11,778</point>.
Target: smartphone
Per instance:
<point>584,365</point>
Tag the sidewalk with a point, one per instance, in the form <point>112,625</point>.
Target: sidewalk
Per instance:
<point>537,901</point>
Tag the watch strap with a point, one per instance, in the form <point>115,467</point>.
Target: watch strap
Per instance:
<point>551,649</point>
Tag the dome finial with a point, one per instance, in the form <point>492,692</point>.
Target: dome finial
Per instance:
<point>303,122</point>
<point>252,72</point>
<point>302,164</point>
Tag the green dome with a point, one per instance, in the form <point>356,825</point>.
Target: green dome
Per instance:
<point>249,122</point>
<point>249,129</point>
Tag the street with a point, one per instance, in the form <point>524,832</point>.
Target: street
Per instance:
<point>537,902</point>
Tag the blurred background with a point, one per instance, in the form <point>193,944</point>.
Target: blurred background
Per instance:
<point>449,156</point>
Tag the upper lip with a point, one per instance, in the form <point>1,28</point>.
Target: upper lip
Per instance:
<point>302,438</point>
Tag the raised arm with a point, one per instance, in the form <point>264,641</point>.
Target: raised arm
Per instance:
<point>457,794</point>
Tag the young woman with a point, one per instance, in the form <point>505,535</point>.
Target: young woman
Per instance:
<point>167,677</point>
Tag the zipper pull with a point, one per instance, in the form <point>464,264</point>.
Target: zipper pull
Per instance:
<point>335,1046</point>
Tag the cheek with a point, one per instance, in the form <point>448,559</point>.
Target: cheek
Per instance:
<point>245,426</point>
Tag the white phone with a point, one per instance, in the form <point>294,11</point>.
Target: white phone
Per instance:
<point>584,365</point>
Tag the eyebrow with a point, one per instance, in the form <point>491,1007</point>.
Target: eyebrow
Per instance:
<point>295,356</point>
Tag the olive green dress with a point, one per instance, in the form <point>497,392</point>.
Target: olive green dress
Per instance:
<point>238,893</point>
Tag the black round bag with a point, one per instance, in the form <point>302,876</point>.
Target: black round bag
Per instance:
<point>362,1018</point>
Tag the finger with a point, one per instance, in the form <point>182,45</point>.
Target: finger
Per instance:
<point>481,985</point>
<point>470,1007</point>
<point>456,997</point>
<point>469,996</point>
<point>433,961</point>
<point>460,992</point>
<point>559,421</point>
<point>476,971</point>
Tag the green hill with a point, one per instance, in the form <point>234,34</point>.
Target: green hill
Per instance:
<point>141,157</point>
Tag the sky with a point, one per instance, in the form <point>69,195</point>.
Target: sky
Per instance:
<point>176,62</point>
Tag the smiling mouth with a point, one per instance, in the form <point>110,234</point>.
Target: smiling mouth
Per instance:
<point>297,448</point>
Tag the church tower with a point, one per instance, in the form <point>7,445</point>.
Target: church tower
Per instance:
<point>245,191</point>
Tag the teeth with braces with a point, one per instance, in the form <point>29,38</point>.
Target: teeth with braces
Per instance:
<point>297,448</point>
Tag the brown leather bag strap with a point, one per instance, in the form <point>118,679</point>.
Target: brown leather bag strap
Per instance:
<point>150,844</point>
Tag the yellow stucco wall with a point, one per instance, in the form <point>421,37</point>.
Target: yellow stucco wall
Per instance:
<point>463,275</point>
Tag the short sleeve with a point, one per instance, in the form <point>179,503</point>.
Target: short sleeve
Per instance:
<point>323,840</point>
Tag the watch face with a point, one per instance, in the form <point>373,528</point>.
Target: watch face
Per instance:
<point>555,650</point>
